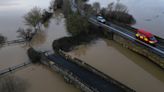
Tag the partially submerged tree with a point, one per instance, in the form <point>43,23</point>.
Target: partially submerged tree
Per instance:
<point>33,18</point>
<point>117,12</point>
<point>77,24</point>
<point>25,34</point>
<point>56,4</point>
<point>2,39</point>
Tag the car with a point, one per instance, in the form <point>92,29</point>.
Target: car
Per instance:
<point>146,37</point>
<point>101,19</point>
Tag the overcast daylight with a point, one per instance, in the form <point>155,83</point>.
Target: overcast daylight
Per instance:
<point>81,46</point>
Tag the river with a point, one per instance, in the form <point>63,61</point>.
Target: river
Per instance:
<point>148,13</point>
<point>127,67</point>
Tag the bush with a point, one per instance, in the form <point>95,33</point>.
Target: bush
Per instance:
<point>2,39</point>
<point>118,12</point>
<point>68,43</point>
<point>33,55</point>
<point>77,24</point>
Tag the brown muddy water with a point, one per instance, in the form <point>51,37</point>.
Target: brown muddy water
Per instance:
<point>33,78</point>
<point>107,56</point>
<point>148,13</point>
<point>123,65</point>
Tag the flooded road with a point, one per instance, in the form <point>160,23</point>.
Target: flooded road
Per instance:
<point>123,65</point>
<point>148,13</point>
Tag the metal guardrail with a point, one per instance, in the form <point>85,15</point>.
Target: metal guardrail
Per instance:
<point>160,52</point>
<point>154,49</point>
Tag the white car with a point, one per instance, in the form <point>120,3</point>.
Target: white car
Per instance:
<point>101,19</point>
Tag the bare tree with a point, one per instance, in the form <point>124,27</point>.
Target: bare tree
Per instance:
<point>96,7</point>
<point>33,18</point>
<point>56,4</point>
<point>25,34</point>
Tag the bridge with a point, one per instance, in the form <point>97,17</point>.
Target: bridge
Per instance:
<point>93,79</point>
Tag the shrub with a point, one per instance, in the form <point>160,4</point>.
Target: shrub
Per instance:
<point>2,39</point>
<point>33,55</point>
<point>77,24</point>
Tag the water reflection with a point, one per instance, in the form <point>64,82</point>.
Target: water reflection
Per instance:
<point>12,84</point>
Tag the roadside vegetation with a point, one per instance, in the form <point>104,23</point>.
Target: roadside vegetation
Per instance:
<point>80,30</point>
<point>77,24</point>
<point>117,12</point>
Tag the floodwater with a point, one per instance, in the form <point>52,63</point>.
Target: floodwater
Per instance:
<point>107,56</point>
<point>36,78</point>
<point>123,65</point>
<point>148,13</point>
<point>41,79</point>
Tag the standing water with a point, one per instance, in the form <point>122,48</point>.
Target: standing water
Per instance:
<point>107,56</point>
